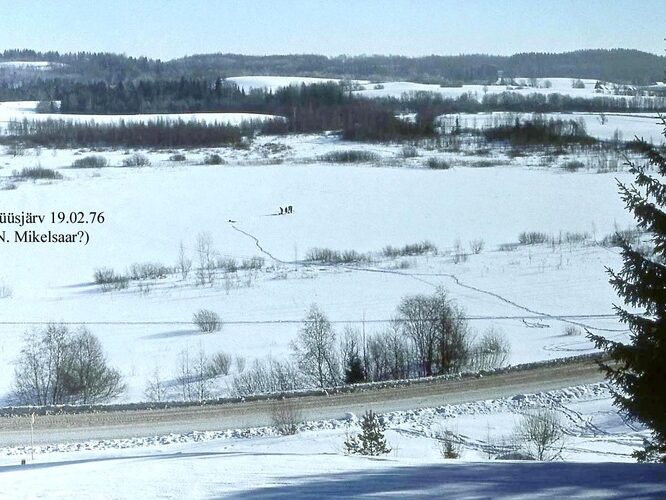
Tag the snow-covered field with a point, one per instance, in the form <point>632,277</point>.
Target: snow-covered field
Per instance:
<point>530,293</point>
<point>34,65</point>
<point>258,463</point>
<point>524,86</point>
<point>604,126</point>
<point>19,110</point>
<point>149,211</point>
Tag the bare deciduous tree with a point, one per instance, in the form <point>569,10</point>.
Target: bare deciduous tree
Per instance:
<point>156,390</point>
<point>58,366</point>
<point>206,256</point>
<point>540,433</point>
<point>184,262</point>
<point>438,331</point>
<point>314,349</point>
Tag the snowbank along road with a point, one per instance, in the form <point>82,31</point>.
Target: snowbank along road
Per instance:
<point>55,428</point>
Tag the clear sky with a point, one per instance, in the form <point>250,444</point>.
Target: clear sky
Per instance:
<point>168,29</point>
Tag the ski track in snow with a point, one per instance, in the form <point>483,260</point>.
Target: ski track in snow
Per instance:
<point>418,277</point>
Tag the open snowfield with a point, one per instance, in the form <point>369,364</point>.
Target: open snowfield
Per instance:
<point>257,463</point>
<point>20,110</point>
<point>365,88</point>
<point>603,126</point>
<point>149,211</point>
<point>34,65</point>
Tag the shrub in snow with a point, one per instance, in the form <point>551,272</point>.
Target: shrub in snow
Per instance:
<point>491,351</point>
<point>93,161</point>
<point>177,157</point>
<point>449,444</point>
<point>37,173</point>
<point>213,159</point>
<point>476,246</point>
<point>136,160</point>
<point>572,331</point>
<point>219,364</point>
<point>577,84</point>
<point>532,238</point>
<point>268,376</point>
<point>350,156</point>
<point>371,440</point>
<point>108,279</point>
<point>541,436</point>
<point>409,152</point>
<point>438,164</point>
<point>573,165</point>
<point>207,321</point>
<point>286,415</point>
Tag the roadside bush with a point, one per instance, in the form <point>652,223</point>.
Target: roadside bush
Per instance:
<point>93,161</point>
<point>57,365</point>
<point>136,160</point>
<point>438,164</point>
<point>285,416</point>
<point>350,156</point>
<point>207,321</point>
<point>266,377</point>
<point>491,351</point>
<point>37,173</point>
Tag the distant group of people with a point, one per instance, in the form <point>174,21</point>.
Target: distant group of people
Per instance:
<point>286,210</point>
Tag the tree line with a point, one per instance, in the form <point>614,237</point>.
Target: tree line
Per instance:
<point>618,65</point>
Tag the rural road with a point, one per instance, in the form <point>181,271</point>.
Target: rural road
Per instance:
<point>50,429</point>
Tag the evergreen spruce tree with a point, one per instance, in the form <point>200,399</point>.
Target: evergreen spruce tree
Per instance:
<point>638,368</point>
<point>354,371</point>
<point>371,440</point>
